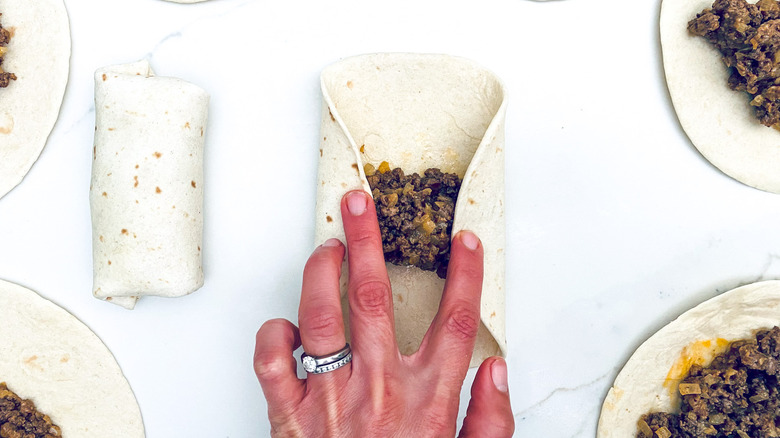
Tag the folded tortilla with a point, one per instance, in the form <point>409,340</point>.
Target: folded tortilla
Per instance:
<point>648,382</point>
<point>39,55</point>
<point>147,184</point>
<point>53,359</point>
<point>719,121</point>
<point>418,111</point>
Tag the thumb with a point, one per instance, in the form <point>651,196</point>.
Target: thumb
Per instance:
<point>489,414</point>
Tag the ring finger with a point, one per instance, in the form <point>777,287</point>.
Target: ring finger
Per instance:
<point>319,315</point>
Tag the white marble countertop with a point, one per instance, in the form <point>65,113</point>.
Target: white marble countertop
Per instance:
<point>615,223</point>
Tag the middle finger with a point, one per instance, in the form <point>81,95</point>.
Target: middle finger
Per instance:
<point>370,297</point>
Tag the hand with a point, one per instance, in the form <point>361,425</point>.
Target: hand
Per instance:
<point>381,392</point>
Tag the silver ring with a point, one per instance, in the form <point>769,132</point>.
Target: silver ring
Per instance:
<point>330,362</point>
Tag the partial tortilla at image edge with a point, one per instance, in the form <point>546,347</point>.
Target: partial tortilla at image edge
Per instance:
<point>648,381</point>
<point>39,55</point>
<point>418,111</point>
<point>50,357</point>
<point>719,121</point>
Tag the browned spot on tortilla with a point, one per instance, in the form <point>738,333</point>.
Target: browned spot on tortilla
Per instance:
<point>104,77</point>
<point>198,247</point>
<point>157,190</point>
<point>135,236</point>
<point>471,201</point>
<point>201,131</point>
<point>324,138</point>
<point>157,155</point>
<point>111,129</point>
<point>400,298</point>
<point>31,359</point>
<point>320,152</point>
<point>124,230</point>
<point>493,315</point>
<point>173,207</point>
<point>329,219</point>
<point>101,238</point>
<point>363,149</point>
<point>11,30</point>
<point>136,166</point>
<point>135,178</point>
<point>355,166</point>
<point>109,262</point>
<point>187,125</point>
<point>343,185</point>
<point>136,201</point>
<point>109,173</point>
<point>64,359</point>
<point>105,195</point>
<point>94,152</point>
<point>193,184</point>
<point>331,115</point>
<point>108,298</point>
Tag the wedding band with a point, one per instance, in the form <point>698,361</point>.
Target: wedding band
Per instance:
<point>330,362</point>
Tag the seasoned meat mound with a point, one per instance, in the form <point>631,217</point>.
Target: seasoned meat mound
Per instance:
<point>736,396</point>
<point>5,77</point>
<point>415,215</point>
<point>20,419</point>
<point>748,37</point>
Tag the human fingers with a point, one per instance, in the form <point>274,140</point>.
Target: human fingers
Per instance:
<point>453,331</point>
<point>370,296</point>
<point>275,365</point>
<point>489,414</point>
<point>319,314</point>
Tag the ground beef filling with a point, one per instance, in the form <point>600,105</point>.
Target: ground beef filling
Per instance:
<point>415,215</point>
<point>20,419</point>
<point>736,396</point>
<point>748,37</point>
<point>5,77</point>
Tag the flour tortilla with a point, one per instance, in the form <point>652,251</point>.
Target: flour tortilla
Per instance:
<point>719,121</point>
<point>39,55</point>
<point>147,184</point>
<point>648,381</point>
<point>418,111</point>
<point>53,359</point>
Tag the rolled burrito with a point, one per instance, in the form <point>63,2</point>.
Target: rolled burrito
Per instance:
<point>146,195</point>
<point>415,112</point>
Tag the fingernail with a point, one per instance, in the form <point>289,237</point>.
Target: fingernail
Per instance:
<point>469,239</point>
<point>356,203</point>
<point>332,242</point>
<point>498,373</point>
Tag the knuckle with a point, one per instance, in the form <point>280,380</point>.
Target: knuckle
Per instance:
<point>269,366</point>
<point>462,323</point>
<point>440,423</point>
<point>362,236</point>
<point>503,428</point>
<point>468,271</point>
<point>373,298</point>
<point>323,325</point>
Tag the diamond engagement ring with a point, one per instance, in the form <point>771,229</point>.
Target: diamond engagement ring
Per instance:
<point>330,362</point>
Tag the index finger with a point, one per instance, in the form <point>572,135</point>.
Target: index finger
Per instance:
<point>453,331</point>
<point>370,296</point>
